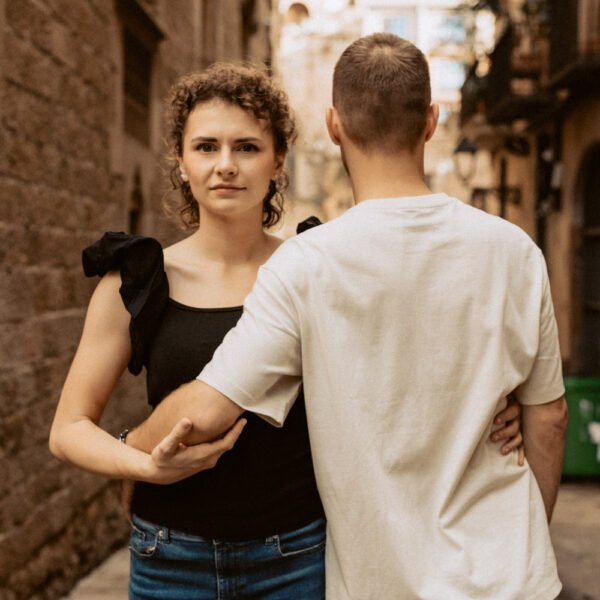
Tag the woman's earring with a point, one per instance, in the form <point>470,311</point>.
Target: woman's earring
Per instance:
<point>184,177</point>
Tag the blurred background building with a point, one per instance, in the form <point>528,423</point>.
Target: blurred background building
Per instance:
<point>531,105</point>
<point>312,36</point>
<point>81,89</point>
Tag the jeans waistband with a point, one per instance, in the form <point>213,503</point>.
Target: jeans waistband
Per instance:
<point>166,533</point>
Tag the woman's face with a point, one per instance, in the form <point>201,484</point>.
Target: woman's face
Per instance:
<point>229,158</point>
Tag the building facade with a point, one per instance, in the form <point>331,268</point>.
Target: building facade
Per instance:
<point>81,89</point>
<point>312,37</point>
<point>535,109</point>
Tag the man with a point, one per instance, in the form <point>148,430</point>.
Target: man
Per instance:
<point>409,319</point>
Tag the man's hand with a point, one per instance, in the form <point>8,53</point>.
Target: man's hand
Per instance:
<point>208,413</point>
<point>510,417</point>
<point>171,460</point>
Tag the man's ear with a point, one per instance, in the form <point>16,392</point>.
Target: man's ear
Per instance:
<point>433,114</point>
<point>332,118</point>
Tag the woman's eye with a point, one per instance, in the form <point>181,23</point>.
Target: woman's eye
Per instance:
<point>248,148</point>
<point>205,147</point>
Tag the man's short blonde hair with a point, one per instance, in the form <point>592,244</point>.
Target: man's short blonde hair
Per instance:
<point>381,91</point>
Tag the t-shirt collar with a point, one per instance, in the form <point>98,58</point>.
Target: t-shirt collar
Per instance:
<point>425,201</point>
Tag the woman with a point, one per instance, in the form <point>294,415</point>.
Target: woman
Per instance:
<point>253,526</point>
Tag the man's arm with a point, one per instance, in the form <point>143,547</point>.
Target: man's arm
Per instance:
<point>544,428</point>
<point>210,412</point>
<point>258,365</point>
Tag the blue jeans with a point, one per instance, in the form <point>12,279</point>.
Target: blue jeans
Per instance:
<point>171,565</point>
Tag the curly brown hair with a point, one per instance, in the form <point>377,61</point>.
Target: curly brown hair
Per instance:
<point>248,86</point>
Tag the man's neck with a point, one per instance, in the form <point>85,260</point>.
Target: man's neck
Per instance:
<point>386,175</point>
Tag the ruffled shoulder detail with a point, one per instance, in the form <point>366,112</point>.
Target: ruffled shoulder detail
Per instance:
<point>309,223</point>
<point>144,288</point>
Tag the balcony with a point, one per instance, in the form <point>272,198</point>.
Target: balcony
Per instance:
<point>514,83</point>
<point>575,46</point>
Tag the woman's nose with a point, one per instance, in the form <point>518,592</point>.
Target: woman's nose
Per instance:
<point>226,165</point>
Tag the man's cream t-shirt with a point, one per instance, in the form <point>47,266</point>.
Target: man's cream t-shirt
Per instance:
<point>409,320</point>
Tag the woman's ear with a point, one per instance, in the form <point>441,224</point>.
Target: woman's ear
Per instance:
<point>182,172</point>
<point>279,163</point>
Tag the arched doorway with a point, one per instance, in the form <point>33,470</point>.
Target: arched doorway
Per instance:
<point>296,13</point>
<point>586,272</point>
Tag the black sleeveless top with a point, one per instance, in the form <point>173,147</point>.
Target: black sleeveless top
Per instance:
<point>265,484</point>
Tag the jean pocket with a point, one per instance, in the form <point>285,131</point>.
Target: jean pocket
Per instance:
<point>142,541</point>
<point>310,538</point>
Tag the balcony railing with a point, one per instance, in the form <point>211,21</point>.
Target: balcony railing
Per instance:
<point>575,44</point>
<point>514,87</point>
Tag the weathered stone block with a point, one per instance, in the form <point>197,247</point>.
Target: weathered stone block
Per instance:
<point>20,342</point>
<point>50,289</point>
<point>79,17</point>
<point>49,375</point>
<point>54,247</point>
<point>60,333</point>
<point>95,71</point>
<point>29,21</point>
<point>24,64</point>
<point>26,113</point>
<point>16,302</point>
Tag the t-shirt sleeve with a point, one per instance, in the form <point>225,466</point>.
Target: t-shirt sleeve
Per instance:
<point>545,381</point>
<point>258,365</point>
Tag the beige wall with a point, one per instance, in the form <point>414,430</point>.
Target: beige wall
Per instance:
<point>581,131</point>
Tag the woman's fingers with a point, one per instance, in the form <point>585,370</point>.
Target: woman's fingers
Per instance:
<point>512,443</point>
<point>521,451</point>
<point>508,431</point>
<point>510,417</point>
<point>511,412</point>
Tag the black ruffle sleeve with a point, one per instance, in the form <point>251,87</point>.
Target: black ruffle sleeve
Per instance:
<point>144,288</point>
<point>308,224</point>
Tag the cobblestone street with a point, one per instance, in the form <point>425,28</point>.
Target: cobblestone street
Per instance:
<point>575,532</point>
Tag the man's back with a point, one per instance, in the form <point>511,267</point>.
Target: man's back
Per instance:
<point>412,319</point>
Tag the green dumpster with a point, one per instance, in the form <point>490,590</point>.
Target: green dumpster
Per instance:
<point>582,444</point>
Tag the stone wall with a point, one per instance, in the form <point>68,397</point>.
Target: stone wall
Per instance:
<point>68,172</point>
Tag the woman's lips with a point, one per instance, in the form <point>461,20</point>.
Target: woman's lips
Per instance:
<point>227,187</point>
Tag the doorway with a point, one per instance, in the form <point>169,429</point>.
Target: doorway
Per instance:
<point>586,271</point>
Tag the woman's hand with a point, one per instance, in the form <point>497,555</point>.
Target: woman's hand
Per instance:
<point>510,418</point>
<point>171,460</point>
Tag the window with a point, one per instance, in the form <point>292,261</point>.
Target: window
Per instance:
<point>209,42</point>
<point>140,40</point>
<point>137,69</point>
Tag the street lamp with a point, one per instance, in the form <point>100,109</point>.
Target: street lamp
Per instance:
<point>465,163</point>
<point>464,160</point>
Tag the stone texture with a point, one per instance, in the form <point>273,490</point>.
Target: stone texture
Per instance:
<point>66,176</point>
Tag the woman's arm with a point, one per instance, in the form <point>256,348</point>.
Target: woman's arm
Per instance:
<point>102,355</point>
